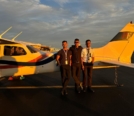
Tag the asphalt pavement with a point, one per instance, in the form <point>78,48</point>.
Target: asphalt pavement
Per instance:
<point>39,95</point>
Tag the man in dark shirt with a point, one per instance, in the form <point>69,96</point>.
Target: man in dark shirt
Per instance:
<point>63,59</point>
<point>76,64</point>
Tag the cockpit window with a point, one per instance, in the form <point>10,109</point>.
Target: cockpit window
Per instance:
<point>14,51</point>
<point>125,36</point>
<point>32,49</point>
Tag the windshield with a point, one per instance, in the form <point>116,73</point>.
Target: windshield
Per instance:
<point>32,49</point>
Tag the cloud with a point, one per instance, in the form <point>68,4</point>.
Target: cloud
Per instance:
<point>61,2</point>
<point>44,23</point>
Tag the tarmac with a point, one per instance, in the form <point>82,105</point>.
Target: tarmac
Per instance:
<point>39,95</point>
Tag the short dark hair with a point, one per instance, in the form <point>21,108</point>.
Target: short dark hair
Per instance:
<point>88,40</point>
<point>64,41</point>
<point>76,39</point>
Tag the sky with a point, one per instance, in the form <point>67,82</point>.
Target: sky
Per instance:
<point>49,22</point>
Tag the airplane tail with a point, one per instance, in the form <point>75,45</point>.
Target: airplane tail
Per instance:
<point>120,48</point>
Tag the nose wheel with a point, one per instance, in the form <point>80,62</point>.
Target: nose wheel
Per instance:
<point>22,77</point>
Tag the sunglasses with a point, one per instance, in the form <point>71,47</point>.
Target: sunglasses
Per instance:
<point>76,42</point>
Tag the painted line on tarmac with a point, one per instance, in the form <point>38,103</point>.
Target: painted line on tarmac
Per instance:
<point>52,87</point>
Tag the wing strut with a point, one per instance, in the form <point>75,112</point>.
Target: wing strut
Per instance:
<point>16,36</point>
<point>5,32</point>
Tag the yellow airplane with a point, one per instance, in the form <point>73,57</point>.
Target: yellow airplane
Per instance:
<point>18,59</point>
<point>119,50</point>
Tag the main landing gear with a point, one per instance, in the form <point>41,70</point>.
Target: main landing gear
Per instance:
<point>11,78</point>
<point>116,79</point>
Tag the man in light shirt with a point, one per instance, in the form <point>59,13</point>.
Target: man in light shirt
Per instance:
<point>87,60</point>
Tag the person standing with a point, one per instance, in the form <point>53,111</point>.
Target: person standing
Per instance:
<point>76,64</point>
<point>87,59</point>
<point>63,59</point>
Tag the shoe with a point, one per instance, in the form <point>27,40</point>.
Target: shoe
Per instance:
<point>90,90</point>
<point>81,85</point>
<point>84,89</point>
<point>65,92</point>
<point>62,92</point>
<point>78,90</point>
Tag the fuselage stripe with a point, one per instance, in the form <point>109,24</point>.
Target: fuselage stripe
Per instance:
<point>35,62</point>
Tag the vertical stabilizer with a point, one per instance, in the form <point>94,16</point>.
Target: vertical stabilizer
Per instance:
<point>121,47</point>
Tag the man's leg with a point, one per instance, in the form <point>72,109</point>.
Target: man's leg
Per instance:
<point>77,81</point>
<point>74,75</point>
<point>67,79</point>
<point>90,70</point>
<point>62,71</point>
<point>89,82</point>
<point>63,75</point>
<point>72,72</point>
<point>84,78</point>
<point>78,72</point>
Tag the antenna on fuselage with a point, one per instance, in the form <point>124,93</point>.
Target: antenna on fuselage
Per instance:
<point>16,36</point>
<point>5,32</point>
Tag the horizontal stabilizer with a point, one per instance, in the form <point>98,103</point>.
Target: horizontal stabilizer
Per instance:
<point>130,65</point>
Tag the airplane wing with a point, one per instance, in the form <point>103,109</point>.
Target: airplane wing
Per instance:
<point>6,41</point>
<point>130,65</point>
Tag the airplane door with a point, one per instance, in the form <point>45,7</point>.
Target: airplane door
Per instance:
<point>24,69</point>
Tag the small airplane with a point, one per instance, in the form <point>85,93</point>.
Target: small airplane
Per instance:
<point>18,59</point>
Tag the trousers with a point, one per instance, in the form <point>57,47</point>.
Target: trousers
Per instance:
<point>65,75</point>
<point>87,74</point>
<point>76,70</point>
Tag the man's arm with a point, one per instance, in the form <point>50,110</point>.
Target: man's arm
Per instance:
<point>93,56</point>
<point>57,59</point>
<point>70,60</point>
<point>82,63</point>
<point>92,59</point>
<point>82,59</point>
<point>70,48</point>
